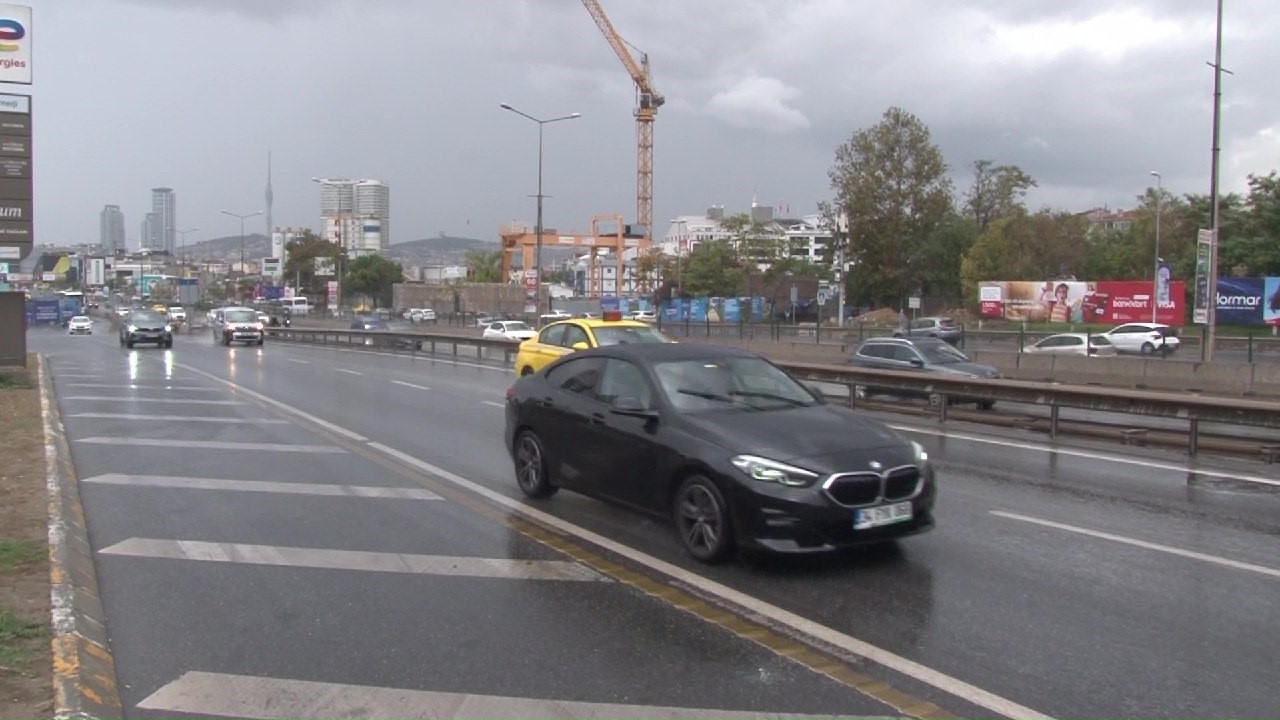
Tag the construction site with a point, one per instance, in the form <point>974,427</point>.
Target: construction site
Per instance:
<point>608,237</point>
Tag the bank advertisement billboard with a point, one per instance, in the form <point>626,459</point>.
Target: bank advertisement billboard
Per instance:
<point>1106,302</point>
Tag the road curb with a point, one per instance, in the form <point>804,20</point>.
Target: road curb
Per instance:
<point>84,672</point>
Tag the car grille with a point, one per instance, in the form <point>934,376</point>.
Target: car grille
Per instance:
<point>868,488</point>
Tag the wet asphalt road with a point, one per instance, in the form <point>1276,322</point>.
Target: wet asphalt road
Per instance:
<point>1089,582</point>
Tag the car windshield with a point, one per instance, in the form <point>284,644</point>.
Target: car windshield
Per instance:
<point>80,319</point>
<point>144,316</point>
<point>623,334</point>
<point>517,326</point>
<point>941,354</point>
<point>718,383</point>
<point>241,316</point>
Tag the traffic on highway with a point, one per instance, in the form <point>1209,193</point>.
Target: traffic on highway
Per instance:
<point>287,530</point>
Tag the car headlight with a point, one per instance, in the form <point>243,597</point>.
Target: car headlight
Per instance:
<point>766,470</point>
<point>168,328</point>
<point>918,450</point>
<point>133,328</point>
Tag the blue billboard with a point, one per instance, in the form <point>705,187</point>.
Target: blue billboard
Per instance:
<point>1240,301</point>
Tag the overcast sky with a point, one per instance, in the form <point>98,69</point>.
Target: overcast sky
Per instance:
<point>1088,96</point>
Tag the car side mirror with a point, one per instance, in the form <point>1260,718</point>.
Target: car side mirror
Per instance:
<point>582,346</point>
<point>818,393</point>
<point>631,406</point>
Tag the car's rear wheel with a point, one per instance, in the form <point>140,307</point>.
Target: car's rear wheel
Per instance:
<point>1148,348</point>
<point>526,371</point>
<point>986,404</point>
<point>531,466</point>
<point>702,520</point>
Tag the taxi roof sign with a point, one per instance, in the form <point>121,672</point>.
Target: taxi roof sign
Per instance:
<point>612,315</point>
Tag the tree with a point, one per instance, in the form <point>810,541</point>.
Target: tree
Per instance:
<point>943,254</point>
<point>1045,245</point>
<point>891,181</point>
<point>713,269</point>
<point>997,191</point>
<point>375,276</point>
<point>484,266</point>
<point>652,267</point>
<point>299,266</point>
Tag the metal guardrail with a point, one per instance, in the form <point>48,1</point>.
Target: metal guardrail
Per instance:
<point>1194,409</point>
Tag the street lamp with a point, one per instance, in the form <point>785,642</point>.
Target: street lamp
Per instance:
<point>342,239</point>
<point>182,246</point>
<point>538,227</point>
<point>1155,277</point>
<point>242,218</point>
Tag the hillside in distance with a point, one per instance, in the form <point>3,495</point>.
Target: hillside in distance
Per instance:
<point>443,250</point>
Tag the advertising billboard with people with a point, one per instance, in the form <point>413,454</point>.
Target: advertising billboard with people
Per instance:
<point>1105,302</point>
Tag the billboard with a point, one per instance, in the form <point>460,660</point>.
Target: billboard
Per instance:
<point>15,44</point>
<point>1107,302</point>
<point>1240,301</point>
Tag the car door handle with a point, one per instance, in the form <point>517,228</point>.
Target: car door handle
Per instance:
<point>597,418</point>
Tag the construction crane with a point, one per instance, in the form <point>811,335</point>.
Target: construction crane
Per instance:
<point>647,103</point>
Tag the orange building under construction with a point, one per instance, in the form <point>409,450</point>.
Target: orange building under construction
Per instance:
<point>608,232</point>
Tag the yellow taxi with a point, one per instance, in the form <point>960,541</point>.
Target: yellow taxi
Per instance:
<point>561,338</point>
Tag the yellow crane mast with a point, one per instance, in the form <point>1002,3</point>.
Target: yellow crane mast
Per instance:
<point>648,101</point>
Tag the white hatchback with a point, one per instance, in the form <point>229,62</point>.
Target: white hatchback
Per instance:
<point>1144,338</point>
<point>1073,344</point>
<point>80,325</point>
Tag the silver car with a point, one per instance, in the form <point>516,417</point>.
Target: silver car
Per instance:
<point>1079,344</point>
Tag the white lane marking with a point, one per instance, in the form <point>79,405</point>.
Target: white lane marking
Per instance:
<point>494,404</point>
<point>1226,562</point>
<point>356,560</point>
<point>263,486</point>
<point>211,444</point>
<point>349,372</point>
<point>117,398</point>
<point>1090,455</point>
<point>182,418</point>
<point>910,668</point>
<point>280,406</point>
<point>409,384</point>
<point>264,698</point>
<point>109,386</point>
<point>301,362</point>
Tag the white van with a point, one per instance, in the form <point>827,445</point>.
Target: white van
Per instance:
<point>297,305</point>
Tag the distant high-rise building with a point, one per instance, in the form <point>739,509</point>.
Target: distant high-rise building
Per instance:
<point>356,213</point>
<point>152,232</point>
<point>111,229</point>
<point>165,206</point>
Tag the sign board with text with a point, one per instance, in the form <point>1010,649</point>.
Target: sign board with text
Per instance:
<point>15,44</point>
<point>16,214</point>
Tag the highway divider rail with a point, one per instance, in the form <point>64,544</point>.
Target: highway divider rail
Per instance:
<point>1193,409</point>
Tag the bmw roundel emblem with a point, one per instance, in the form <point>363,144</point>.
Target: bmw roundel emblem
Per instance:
<point>875,465</point>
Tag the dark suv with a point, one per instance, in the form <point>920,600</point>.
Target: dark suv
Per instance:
<point>146,326</point>
<point>924,355</point>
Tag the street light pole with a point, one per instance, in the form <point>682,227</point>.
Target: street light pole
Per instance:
<point>182,247</point>
<point>1211,304</point>
<point>538,226</point>
<point>1155,277</point>
<point>242,218</point>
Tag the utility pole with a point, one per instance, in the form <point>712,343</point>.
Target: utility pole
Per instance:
<point>1155,273</point>
<point>841,238</point>
<point>1211,306</point>
<point>242,218</point>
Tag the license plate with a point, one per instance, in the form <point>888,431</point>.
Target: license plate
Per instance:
<point>881,515</point>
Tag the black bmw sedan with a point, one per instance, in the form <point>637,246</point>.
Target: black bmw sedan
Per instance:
<point>732,449</point>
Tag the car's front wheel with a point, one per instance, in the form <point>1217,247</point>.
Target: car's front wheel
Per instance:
<point>531,466</point>
<point>702,520</point>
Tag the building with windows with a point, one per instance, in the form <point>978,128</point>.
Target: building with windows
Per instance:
<point>164,206</point>
<point>356,214</point>
<point>151,232</point>
<point>805,237</point>
<point>111,229</point>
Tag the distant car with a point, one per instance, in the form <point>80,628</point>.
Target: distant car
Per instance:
<point>1144,338</point>
<point>643,316</point>
<point>732,449</point>
<point>80,325</point>
<point>510,330</point>
<point>177,313</point>
<point>930,355</point>
<point>238,324</point>
<point>1080,344</point>
<point>376,324</point>
<point>943,328</point>
<point>146,326</point>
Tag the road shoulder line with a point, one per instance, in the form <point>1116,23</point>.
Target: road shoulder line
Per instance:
<point>84,674</point>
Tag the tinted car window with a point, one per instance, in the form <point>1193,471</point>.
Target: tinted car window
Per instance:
<point>574,334</point>
<point>145,316</point>
<point>941,354</point>
<point>241,316</point>
<point>618,335</point>
<point>744,383</point>
<point>624,379</point>
<point>577,376</point>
